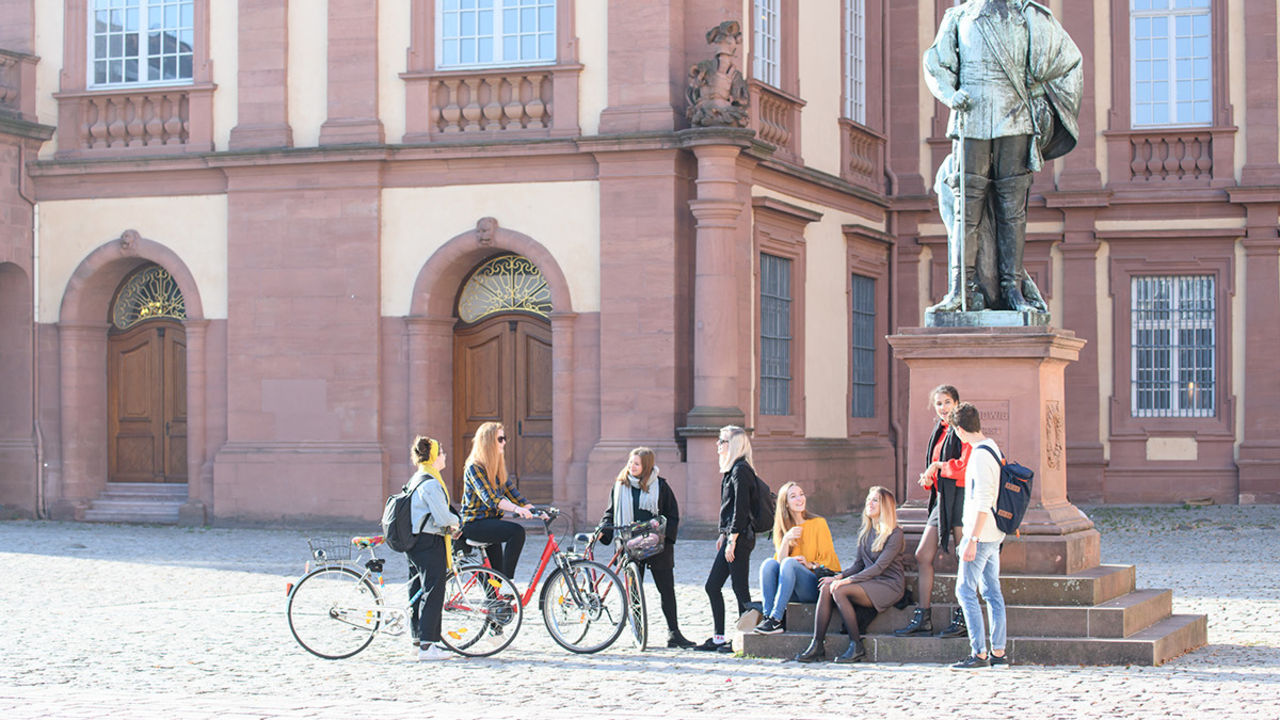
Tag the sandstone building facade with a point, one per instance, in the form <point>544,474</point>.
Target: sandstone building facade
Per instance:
<point>249,248</point>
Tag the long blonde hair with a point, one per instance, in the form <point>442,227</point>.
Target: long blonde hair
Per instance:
<point>885,523</point>
<point>486,453</point>
<point>782,521</point>
<point>646,467</point>
<point>739,447</point>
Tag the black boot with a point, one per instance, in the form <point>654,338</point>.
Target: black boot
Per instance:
<point>813,653</point>
<point>921,624</point>
<point>855,652</point>
<point>676,640</point>
<point>957,627</point>
<point>1011,234</point>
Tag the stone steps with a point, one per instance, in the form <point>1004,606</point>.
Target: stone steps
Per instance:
<point>1163,641</point>
<point>152,503</point>
<point>1093,617</point>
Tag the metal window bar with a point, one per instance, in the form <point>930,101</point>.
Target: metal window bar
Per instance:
<point>863,338</point>
<point>775,335</point>
<point>855,61</point>
<point>1174,343</point>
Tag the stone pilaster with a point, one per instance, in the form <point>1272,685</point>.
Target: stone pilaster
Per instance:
<point>263,76</point>
<point>353,74</point>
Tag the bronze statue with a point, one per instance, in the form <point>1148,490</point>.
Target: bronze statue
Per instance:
<point>1013,80</point>
<point>717,92</point>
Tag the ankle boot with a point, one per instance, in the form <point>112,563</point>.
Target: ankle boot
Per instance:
<point>921,624</point>
<point>815,652</point>
<point>957,627</point>
<point>855,652</point>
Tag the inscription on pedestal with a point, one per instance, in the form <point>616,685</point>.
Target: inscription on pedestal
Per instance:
<point>995,420</point>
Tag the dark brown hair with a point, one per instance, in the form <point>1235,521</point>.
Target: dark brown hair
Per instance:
<point>420,452</point>
<point>948,390</point>
<point>965,416</point>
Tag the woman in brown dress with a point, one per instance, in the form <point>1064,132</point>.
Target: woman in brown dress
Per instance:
<point>874,580</point>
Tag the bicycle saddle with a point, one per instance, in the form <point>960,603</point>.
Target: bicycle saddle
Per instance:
<point>367,541</point>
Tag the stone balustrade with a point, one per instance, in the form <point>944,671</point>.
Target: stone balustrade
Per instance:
<point>862,156</point>
<point>492,103</point>
<point>1155,157</point>
<point>142,121</point>
<point>775,116</point>
<point>9,83</point>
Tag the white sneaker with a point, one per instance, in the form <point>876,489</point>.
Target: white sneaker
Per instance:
<point>434,652</point>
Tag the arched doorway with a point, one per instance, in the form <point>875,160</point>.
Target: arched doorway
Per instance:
<point>147,380</point>
<point>502,369</point>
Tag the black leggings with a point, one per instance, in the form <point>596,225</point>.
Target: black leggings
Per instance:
<point>739,571</point>
<point>506,542</point>
<point>662,567</point>
<point>426,557</point>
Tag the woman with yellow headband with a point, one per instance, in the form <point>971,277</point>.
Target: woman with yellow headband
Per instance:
<point>429,556</point>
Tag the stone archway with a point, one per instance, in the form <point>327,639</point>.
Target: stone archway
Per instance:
<point>431,339</point>
<point>82,343</point>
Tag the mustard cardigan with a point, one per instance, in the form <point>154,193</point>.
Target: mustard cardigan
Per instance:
<point>815,544</point>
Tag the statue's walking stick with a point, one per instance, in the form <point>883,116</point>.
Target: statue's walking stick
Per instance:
<point>958,259</point>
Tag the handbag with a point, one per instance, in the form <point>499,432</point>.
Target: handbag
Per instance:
<point>642,540</point>
<point>822,571</point>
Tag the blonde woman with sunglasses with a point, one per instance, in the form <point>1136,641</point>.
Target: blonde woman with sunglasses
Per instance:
<point>488,493</point>
<point>733,548</point>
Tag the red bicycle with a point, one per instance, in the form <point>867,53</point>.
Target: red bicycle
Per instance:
<point>583,603</point>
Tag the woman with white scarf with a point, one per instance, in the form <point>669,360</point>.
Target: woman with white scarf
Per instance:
<point>638,495</point>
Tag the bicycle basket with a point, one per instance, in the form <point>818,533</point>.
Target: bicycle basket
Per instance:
<point>325,551</point>
<point>643,540</point>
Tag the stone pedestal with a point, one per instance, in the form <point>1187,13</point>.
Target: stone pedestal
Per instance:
<point>1014,375</point>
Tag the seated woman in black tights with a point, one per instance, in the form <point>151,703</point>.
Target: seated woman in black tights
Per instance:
<point>487,492</point>
<point>874,580</point>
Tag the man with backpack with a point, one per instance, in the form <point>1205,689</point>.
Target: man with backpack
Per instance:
<point>980,543</point>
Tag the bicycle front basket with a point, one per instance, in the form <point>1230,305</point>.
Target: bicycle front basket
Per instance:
<point>643,540</point>
<point>326,551</point>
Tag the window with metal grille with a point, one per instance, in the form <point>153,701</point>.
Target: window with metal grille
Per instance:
<point>775,335</point>
<point>1172,62</point>
<point>855,61</point>
<point>138,42</point>
<point>767,42</point>
<point>1174,338</point>
<point>863,337</point>
<point>492,33</point>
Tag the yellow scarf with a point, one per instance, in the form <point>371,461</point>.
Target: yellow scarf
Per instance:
<point>429,467</point>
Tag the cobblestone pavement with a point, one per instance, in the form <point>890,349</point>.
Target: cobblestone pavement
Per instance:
<point>159,622</point>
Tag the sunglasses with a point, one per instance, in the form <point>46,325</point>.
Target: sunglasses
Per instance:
<point>721,441</point>
<point>502,438</point>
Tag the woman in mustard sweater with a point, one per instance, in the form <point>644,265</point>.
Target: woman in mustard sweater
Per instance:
<point>803,553</point>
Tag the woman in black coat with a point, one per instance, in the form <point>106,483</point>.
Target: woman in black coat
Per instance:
<point>639,494</point>
<point>737,539</point>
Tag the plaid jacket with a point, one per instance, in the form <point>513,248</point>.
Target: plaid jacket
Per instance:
<point>480,498</point>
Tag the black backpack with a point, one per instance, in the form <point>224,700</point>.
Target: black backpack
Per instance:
<point>763,502</point>
<point>397,519</point>
<point>1014,495</point>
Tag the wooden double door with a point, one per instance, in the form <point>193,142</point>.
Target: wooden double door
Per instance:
<point>502,373</point>
<point>147,403</point>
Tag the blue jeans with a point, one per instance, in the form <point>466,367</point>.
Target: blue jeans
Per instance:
<point>785,581</point>
<point>982,575</point>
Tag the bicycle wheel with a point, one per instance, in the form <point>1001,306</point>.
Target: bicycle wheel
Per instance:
<point>334,612</point>
<point>482,612</point>
<point>586,608</point>
<point>637,614</point>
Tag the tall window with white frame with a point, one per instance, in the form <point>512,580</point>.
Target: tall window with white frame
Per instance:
<point>775,335</point>
<point>495,33</point>
<point>1172,62</point>
<point>1174,345</point>
<point>140,42</point>
<point>766,43</point>
<point>863,338</point>
<point>855,61</point>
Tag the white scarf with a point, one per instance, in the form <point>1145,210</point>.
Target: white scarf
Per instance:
<point>623,512</point>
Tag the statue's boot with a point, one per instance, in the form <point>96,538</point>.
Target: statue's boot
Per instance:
<point>966,280</point>
<point>1011,196</point>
